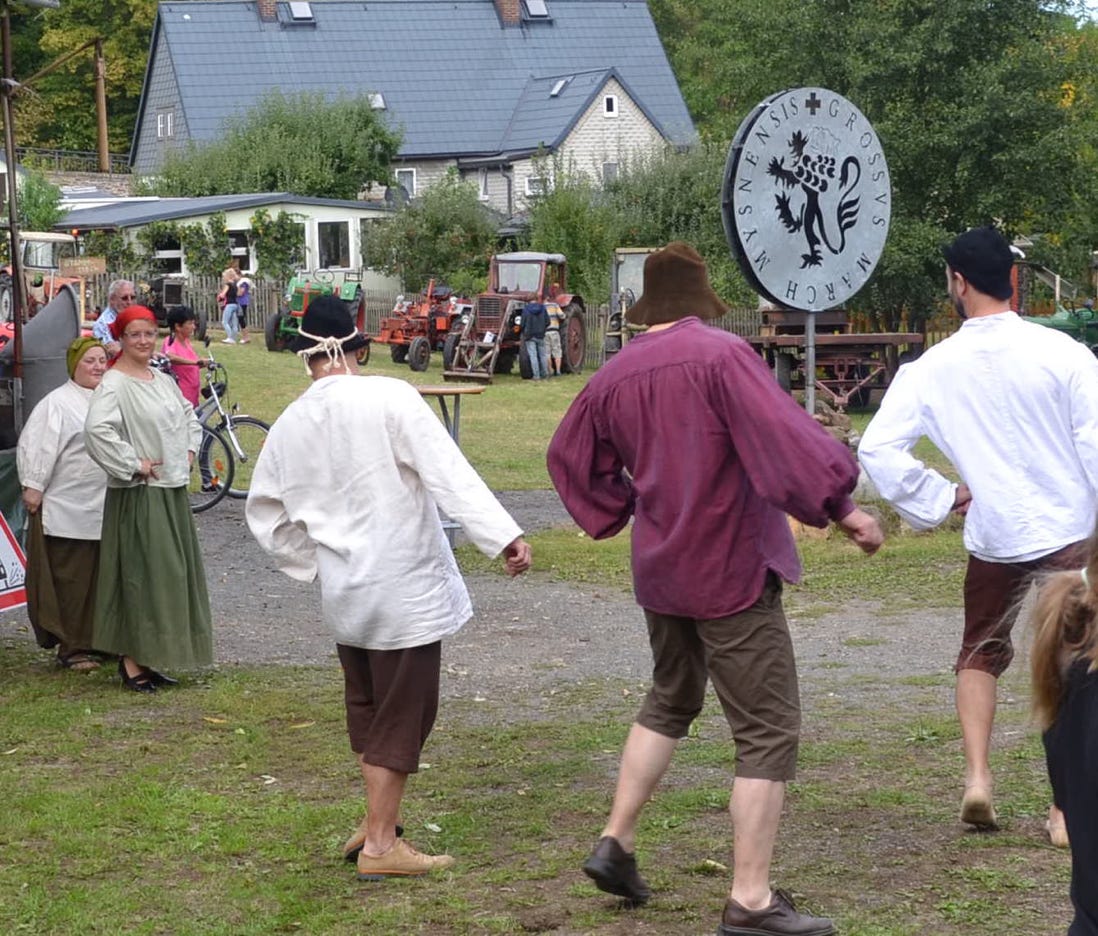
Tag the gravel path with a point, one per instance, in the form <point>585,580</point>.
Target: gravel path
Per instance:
<point>528,633</point>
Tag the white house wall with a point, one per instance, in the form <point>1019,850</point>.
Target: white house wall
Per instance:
<point>239,219</point>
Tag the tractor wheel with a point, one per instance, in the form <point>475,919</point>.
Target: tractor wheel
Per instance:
<point>449,349</point>
<point>362,355</point>
<point>573,337</point>
<point>505,362</point>
<point>525,370</point>
<point>419,353</point>
<point>7,298</point>
<point>357,308</point>
<point>399,353</point>
<point>200,322</point>
<point>272,333</point>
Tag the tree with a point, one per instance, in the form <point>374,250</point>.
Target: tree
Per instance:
<point>301,144</point>
<point>279,243</point>
<point>445,232</point>
<point>967,98</point>
<point>61,111</point>
<point>39,204</point>
<point>206,247</point>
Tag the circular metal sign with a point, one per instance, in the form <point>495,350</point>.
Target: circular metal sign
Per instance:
<point>806,199</point>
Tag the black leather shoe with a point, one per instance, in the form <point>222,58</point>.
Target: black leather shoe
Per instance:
<point>615,872</point>
<point>142,682</point>
<point>780,918</point>
<point>159,679</point>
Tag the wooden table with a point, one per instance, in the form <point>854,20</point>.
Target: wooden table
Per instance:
<point>451,419</point>
<point>452,422</point>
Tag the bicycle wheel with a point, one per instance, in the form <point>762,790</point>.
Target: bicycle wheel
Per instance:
<point>246,435</point>
<point>211,472</point>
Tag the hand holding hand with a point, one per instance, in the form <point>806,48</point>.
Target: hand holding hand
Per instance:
<point>517,553</point>
<point>863,529</point>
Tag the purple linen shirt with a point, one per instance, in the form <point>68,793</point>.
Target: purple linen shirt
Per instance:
<point>686,431</point>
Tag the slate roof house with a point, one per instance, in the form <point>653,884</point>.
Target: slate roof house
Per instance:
<point>480,85</point>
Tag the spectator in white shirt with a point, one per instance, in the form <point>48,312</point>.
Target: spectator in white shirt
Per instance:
<point>121,294</point>
<point>1014,406</point>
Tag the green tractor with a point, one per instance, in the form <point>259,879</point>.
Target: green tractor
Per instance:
<point>282,326</point>
<point>1078,323</point>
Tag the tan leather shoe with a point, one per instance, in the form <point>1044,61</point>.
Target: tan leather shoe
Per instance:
<point>399,861</point>
<point>354,844</point>
<point>977,809</point>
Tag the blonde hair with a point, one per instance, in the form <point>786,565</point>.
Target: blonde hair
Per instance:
<point>1065,624</point>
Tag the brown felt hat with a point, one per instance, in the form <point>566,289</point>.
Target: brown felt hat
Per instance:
<point>676,284</point>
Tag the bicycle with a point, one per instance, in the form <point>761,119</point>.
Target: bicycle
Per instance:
<point>244,434</point>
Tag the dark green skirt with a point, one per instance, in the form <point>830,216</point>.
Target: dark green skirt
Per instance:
<point>61,575</point>
<point>151,601</point>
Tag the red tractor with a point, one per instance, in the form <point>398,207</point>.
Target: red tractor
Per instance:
<point>489,340</point>
<point>417,327</point>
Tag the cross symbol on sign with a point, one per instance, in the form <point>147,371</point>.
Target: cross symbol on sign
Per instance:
<point>813,103</point>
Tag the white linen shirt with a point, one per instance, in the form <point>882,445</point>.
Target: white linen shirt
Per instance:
<point>348,487</point>
<point>130,419</point>
<point>1014,406</point>
<point>51,457</point>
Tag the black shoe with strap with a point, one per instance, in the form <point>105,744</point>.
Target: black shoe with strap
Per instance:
<point>615,871</point>
<point>142,682</point>
<point>778,918</point>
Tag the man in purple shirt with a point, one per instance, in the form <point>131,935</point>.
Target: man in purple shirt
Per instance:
<point>686,432</point>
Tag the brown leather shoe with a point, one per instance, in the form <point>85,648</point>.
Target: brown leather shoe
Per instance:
<point>399,861</point>
<point>354,844</point>
<point>615,872</point>
<point>779,919</point>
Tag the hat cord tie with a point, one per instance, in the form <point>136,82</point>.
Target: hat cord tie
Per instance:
<point>329,344</point>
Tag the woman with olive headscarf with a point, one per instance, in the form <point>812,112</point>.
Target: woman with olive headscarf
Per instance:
<point>63,491</point>
<point>151,605</point>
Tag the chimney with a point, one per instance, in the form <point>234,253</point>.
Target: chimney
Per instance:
<point>508,11</point>
<point>268,10</point>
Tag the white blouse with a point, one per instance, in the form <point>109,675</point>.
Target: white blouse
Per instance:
<point>130,419</point>
<point>51,457</point>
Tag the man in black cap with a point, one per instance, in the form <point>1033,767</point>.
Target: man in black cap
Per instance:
<point>1014,406</point>
<point>686,433</point>
<point>348,490</point>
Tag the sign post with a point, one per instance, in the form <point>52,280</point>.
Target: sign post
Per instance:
<point>806,203</point>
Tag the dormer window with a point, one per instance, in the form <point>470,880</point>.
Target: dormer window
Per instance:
<point>610,105</point>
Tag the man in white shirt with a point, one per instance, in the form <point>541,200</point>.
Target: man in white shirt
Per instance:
<point>1014,406</point>
<point>348,488</point>
<point>121,294</point>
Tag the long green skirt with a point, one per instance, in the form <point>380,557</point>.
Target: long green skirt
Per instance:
<point>151,601</point>
<point>61,575</point>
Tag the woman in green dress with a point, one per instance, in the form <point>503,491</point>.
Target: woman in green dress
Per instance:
<point>151,607</point>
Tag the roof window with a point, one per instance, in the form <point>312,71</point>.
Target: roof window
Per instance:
<point>377,100</point>
<point>301,11</point>
<point>560,86</point>
<point>535,10</point>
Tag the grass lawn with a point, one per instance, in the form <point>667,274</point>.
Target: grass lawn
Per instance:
<point>220,808</point>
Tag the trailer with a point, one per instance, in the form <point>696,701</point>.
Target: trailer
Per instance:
<point>849,365</point>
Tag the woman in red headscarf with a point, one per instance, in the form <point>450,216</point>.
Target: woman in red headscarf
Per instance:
<point>151,603</point>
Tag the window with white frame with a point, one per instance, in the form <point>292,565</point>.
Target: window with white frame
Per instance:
<point>407,179</point>
<point>482,185</point>
<point>333,240</point>
<point>238,249</point>
<point>609,172</point>
<point>164,129</point>
<point>610,105</point>
<point>537,185</point>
